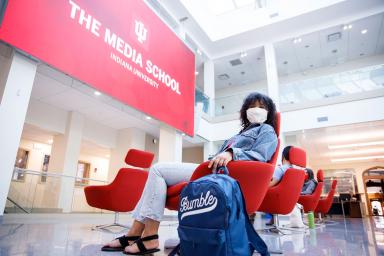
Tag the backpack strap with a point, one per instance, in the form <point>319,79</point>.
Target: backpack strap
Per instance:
<point>175,251</point>
<point>256,243</point>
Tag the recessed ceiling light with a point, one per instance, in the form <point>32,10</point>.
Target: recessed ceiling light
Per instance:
<point>242,72</point>
<point>364,31</point>
<point>307,46</point>
<point>361,54</point>
<point>311,66</point>
<point>334,51</point>
<point>349,26</point>
<point>297,40</point>
<point>148,117</point>
<point>258,58</point>
<point>351,152</point>
<point>107,155</point>
<point>199,52</point>
<point>363,144</point>
<point>196,73</point>
<point>183,134</point>
<point>243,54</point>
<point>356,158</point>
<point>97,93</point>
<point>285,62</point>
<point>345,27</point>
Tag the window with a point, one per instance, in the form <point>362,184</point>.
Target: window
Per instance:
<point>83,169</point>
<point>346,181</point>
<point>20,162</point>
<point>44,169</point>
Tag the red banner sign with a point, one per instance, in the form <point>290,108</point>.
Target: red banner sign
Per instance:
<point>119,47</point>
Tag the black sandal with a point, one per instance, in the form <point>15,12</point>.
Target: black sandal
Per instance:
<point>142,249</point>
<point>124,242</point>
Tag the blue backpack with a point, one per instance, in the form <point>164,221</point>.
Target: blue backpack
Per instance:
<point>213,219</point>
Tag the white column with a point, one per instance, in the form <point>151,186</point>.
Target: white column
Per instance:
<point>209,149</point>
<point>170,145</point>
<point>64,158</point>
<point>16,92</point>
<point>272,75</point>
<point>273,85</point>
<point>126,139</point>
<point>209,85</point>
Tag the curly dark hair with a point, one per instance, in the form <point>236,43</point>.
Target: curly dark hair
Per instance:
<point>268,103</point>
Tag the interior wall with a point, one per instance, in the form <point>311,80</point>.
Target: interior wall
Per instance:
<point>152,145</point>
<point>193,155</point>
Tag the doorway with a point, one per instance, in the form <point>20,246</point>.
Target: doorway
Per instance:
<point>373,179</point>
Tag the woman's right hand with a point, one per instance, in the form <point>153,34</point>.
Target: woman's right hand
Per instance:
<point>221,159</point>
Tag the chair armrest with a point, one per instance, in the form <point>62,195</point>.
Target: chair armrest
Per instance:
<point>175,190</point>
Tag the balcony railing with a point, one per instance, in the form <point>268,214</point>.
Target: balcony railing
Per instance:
<point>38,192</point>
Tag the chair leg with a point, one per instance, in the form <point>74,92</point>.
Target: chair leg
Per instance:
<point>116,223</point>
<point>276,227</point>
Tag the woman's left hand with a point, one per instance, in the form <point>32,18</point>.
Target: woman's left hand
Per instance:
<point>221,159</point>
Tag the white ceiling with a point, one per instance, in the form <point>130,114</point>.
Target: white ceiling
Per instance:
<point>316,142</point>
<point>221,19</point>
<point>253,66</point>
<point>340,13</point>
<point>315,51</point>
<point>59,90</point>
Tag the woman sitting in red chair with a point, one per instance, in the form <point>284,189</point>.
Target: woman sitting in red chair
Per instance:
<point>281,169</point>
<point>256,141</point>
<point>310,184</point>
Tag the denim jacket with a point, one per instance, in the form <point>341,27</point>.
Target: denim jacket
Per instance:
<point>258,142</point>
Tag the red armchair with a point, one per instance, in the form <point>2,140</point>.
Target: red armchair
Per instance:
<point>325,204</point>
<point>309,202</point>
<point>282,198</point>
<point>253,176</point>
<point>124,192</point>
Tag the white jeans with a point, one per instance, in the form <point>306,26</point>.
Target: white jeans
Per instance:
<point>152,202</point>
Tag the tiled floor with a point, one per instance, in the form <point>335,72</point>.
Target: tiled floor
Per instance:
<point>71,234</point>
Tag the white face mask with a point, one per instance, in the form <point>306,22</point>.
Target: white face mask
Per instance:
<point>257,115</point>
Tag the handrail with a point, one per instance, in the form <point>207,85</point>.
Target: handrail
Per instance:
<point>17,205</point>
<point>50,174</point>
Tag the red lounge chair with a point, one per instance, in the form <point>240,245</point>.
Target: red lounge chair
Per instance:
<point>124,192</point>
<point>325,204</point>
<point>282,198</point>
<point>309,202</point>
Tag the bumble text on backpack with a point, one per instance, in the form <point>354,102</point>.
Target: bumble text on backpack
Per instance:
<point>213,219</point>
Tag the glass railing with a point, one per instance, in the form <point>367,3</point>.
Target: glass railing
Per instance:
<point>201,97</point>
<point>341,87</point>
<point>39,192</point>
<point>346,83</point>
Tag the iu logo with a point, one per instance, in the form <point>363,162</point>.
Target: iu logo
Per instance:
<point>141,31</point>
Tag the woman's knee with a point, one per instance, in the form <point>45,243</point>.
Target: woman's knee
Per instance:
<point>156,169</point>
